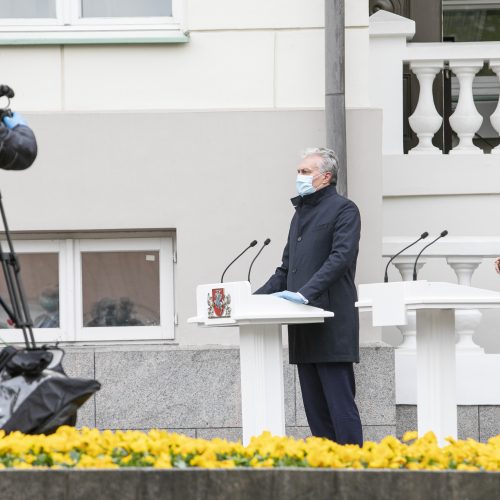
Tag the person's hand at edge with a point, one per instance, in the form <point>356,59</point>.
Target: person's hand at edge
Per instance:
<point>14,120</point>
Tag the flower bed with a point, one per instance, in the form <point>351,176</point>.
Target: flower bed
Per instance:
<point>91,448</point>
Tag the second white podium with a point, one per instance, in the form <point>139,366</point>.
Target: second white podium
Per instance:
<point>435,304</point>
<point>259,318</point>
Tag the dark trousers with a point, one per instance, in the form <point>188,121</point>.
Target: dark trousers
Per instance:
<point>328,391</point>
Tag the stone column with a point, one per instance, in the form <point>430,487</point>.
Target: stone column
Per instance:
<point>388,36</point>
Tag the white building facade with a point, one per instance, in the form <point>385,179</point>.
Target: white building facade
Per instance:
<point>168,136</point>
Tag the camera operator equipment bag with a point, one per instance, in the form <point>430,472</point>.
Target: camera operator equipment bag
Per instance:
<point>36,395</point>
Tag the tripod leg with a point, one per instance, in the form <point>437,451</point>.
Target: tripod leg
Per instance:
<point>12,269</point>
<point>14,314</point>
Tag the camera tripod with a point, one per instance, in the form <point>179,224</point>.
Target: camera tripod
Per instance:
<point>18,312</point>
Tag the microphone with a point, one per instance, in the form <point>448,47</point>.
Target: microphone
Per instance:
<point>258,253</point>
<point>442,235</point>
<point>252,244</point>
<point>422,237</point>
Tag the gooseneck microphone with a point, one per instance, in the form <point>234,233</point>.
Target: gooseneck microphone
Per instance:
<point>258,253</point>
<point>252,244</point>
<point>422,237</point>
<point>442,235</point>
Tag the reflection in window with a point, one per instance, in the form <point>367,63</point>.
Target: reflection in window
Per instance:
<point>471,22</point>
<point>26,9</point>
<point>40,278</point>
<point>126,8</point>
<point>121,288</point>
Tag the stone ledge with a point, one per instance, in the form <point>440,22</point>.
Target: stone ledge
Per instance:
<point>246,484</point>
<point>199,387</point>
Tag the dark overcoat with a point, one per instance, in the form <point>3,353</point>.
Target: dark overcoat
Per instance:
<point>319,261</point>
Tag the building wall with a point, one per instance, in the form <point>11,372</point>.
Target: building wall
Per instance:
<point>196,391</point>
<point>457,193</point>
<point>259,55</point>
<point>200,137</point>
<point>219,179</point>
<point>247,55</point>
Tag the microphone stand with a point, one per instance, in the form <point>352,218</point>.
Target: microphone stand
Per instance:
<point>442,235</point>
<point>252,244</point>
<point>422,237</point>
<point>258,253</point>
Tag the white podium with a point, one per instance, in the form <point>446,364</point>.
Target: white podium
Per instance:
<point>435,305</point>
<point>259,318</point>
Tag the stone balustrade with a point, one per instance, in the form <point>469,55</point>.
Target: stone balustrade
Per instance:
<point>463,255</point>
<point>390,49</point>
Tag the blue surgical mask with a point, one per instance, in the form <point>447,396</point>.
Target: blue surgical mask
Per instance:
<point>304,185</point>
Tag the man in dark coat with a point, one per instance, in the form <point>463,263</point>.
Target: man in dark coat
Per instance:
<point>318,268</point>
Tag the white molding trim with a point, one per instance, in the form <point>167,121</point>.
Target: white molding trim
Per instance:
<point>451,246</point>
<point>99,34</point>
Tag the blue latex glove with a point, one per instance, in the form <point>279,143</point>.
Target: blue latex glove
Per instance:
<point>14,120</point>
<point>291,296</point>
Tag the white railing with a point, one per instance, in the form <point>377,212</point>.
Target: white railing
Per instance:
<point>390,49</point>
<point>477,372</point>
<point>463,256</point>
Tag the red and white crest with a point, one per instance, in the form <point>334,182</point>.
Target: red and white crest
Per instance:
<point>219,304</point>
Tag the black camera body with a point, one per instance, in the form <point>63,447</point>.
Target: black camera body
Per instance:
<point>18,147</point>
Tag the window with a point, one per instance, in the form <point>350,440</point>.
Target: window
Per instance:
<point>475,21</point>
<point>90,21</point>
<point>95,289</point>
<point>471,20</point>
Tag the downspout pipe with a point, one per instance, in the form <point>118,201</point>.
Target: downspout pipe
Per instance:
<point>335,86</point>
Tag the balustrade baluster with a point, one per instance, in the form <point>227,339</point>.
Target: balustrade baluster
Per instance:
<point>495,117</point>
<point>466,320</point>
<point>425,120</point>
<point>466,120</point>
<point>409,331</point>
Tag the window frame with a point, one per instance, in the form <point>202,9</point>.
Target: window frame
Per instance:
<point>71,328</point>
<point>95,334</point>
<point>68,27</point>
<point>45,334</point>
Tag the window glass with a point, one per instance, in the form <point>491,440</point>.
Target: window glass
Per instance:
<point>40,278</point>
<point>471,21</point>
<point>10,9</point>
<point>126,8</point>
<point>121,288</point>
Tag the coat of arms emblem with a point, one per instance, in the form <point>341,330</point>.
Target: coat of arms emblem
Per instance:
<point>219,304</point>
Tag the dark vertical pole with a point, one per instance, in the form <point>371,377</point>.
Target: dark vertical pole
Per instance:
<point>334,86</point>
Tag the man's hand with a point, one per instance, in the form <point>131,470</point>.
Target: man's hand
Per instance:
<point>497,265</point>
<point>14,120</point>
<point>291,296</point>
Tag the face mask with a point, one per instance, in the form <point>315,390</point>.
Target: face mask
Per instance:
<point>304,184</point>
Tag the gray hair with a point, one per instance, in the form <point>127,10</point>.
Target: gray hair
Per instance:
<point>328,162</point>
